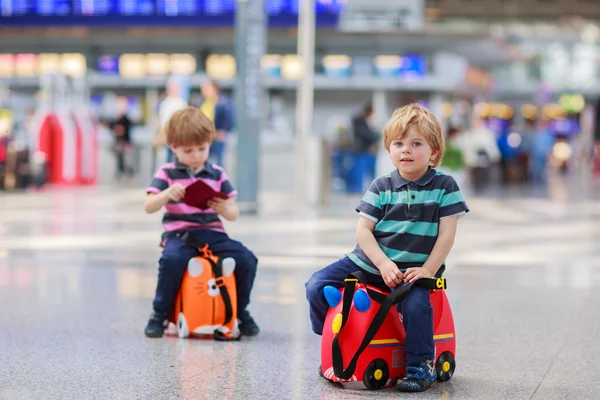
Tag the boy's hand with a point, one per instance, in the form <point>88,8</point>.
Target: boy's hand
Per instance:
<point>391,274</point>
<point>176,192</point>
<point>414,274</point>
<point>220,205</point>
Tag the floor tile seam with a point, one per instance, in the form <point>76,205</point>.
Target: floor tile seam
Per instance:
<point>558,353</point>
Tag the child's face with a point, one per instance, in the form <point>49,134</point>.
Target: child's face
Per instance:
<point>193,156</point>
<point>411,154</point>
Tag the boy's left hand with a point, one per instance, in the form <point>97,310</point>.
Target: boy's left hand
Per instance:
<point>219,205</point>
<point>414,274</point>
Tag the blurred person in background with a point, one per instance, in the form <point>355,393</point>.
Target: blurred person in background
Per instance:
<point>596,160</point>
<point>542,142</point>
<point>217,109</point>
<point>509,144</point>
<point>453,163</point>
<point>122,147</point>
<point>524,153</point>
<point>172,103</point>
<point>8,156</point>
<point>480,152</point>
<point>365,140</point>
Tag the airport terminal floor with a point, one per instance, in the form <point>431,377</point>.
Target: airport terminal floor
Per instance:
<point>78,273</point>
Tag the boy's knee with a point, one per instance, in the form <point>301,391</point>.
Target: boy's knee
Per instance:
<point>314,288</point>
<point>417,303</point>
<point>247,261</point>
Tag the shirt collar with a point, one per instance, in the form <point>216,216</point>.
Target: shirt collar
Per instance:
<point>399,181</point>
<point>208,168</point>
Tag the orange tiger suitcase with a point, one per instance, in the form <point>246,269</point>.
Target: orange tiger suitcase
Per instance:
<point>206,303</point>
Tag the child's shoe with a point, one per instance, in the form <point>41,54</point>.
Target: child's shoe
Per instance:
<point>418,378</point>
<point>156,325</point>
<point>247,325</point>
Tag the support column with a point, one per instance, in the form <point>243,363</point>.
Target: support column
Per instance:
<point>250,46</point>
<point>382,111</point>
<point>304,99</point>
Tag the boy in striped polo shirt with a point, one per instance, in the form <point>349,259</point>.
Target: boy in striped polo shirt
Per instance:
<point>189,134</point>
<point>406,227</point>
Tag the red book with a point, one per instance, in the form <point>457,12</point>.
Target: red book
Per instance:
<point>199,193</point>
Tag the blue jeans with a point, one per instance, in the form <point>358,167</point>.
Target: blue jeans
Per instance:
<point>216,152</point>
<point>416,309</point>
<point>174,261</point>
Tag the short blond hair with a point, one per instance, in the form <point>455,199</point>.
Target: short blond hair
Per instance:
<point>423,120</point>
<point>189,127</point>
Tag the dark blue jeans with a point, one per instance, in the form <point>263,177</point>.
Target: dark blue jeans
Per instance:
<point>417,313</point>
<point>176,255</point>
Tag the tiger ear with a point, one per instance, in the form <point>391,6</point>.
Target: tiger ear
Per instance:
<point>195,267</point>
<point>228,265</point>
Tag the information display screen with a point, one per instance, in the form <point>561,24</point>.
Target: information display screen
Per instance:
<point>154,12</point>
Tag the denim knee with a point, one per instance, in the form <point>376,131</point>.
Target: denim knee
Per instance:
<point>248,262</point>
<point>314,288</point>
<point>417,303</point>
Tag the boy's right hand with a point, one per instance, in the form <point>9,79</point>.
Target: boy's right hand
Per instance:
<point>176,192</point>
<point>391,274</point>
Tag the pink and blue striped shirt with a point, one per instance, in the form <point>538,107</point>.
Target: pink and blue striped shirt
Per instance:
<point>180,216</point>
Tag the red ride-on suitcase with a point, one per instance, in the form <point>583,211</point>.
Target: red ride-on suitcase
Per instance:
<point>363,335</point>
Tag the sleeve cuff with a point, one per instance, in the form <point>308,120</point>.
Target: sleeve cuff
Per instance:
<point>459,215</point>
<point>367,216</point>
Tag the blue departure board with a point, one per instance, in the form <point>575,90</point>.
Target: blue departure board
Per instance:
<point>153,12</point>
<point>54,7</point>
<point>178,7</point>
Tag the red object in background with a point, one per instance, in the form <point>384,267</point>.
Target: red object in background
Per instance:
<point>384,359</point>
<point>69,142</point>
<point>47,145</point>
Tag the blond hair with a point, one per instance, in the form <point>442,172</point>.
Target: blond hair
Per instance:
<point>423,120</point>
<point>189,127</point>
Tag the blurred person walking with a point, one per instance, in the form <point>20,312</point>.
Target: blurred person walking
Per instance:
<point>122,147</point>
<point>542,142</point>
<point>365,140</point>
<point>217,109</point>
<point>481,153</point>
<point>172,103</point>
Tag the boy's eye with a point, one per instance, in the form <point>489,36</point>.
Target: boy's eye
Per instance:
<point>399,144</point>
<point>417,144</point>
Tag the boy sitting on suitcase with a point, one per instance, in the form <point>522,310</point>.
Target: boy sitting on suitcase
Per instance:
<point>189,134</point>
<point>406,227</point>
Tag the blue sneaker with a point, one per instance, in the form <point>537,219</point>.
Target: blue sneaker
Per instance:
<point>417,378</point>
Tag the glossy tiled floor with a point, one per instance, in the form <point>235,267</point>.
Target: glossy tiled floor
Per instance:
<point>77,275</point>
